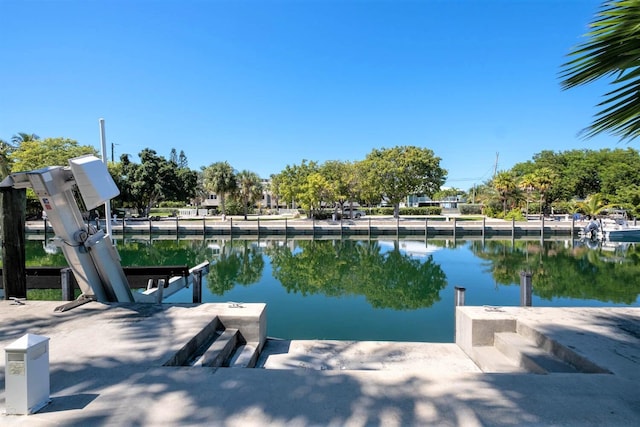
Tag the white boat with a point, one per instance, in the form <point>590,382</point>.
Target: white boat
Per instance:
<point>618,230</point>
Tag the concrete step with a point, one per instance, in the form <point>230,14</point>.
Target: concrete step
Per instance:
<point>491,360</point>
<point>220,350</point>
<point>528,355</point>
<point>562,352</point>
<point>245,356</point>
<point>196,345</point>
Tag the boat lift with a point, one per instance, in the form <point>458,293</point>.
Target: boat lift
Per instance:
<point>89,252</point>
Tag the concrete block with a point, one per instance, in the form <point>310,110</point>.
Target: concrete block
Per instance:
<point>476,326</point>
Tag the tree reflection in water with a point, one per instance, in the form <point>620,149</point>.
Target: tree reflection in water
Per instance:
<point>387,279</point>
<point>387,276</point>
<point>604,272</point>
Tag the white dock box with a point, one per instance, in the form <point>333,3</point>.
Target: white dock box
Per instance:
<point>27,375</point>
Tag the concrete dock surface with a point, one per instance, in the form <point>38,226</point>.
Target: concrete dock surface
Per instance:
<point>106,368</point>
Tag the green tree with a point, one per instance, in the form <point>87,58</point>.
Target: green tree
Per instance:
<point>339,182</point>
<point>220,178</point>
<point>5,162</point>
<point>592,205</point>
<point>21,137</point>
<point>315,189</point>
<point>543,179</point>
<point>404,170</point>
<point>365,191</point>
<point>274,190</point>
<point>39,153</point>
<point>527,184</point>
<point>612,50</point>
<point>292,181</point>
<point>505,185</point>
<point>151,181</point>
<point>249,189</point>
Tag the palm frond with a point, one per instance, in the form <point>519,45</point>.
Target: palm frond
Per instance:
<point>612,50</point>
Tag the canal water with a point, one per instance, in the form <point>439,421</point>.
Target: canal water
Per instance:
<point>385,289</point>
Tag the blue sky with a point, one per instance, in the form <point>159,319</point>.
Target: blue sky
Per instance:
<point>263,84</point>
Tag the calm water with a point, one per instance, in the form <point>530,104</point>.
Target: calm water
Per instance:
<point>398,290</point>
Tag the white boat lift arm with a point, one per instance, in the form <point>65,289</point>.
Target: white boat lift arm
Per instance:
<point>90,253</point>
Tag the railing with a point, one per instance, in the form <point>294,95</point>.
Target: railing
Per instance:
<point>155,279</point>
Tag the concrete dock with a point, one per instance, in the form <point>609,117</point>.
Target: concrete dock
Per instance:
<point>108,366</point>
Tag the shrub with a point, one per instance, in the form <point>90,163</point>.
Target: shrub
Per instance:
<point>515,214</point>
<point>385,210</point>
<point>488,211</point>
<point>170,204</point>
<point>424,210</point>
<point>470,208</point>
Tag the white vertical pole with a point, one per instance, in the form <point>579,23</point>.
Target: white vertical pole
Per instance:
<point>107,204</point>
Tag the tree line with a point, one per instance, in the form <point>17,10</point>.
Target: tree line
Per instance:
<point>585,181</point>
<point>385,174</point>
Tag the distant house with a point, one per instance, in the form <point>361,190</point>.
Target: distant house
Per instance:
<point>449,202</point>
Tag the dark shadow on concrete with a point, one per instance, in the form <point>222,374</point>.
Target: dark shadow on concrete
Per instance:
<point>68,403</point>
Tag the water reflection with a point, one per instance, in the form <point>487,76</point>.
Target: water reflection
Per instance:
<point>386,278</point>
<point>397,274</point>
<point>238,263</point>
<point>585,270</point>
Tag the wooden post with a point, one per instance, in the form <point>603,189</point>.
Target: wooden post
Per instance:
<point>459,296</point>
<point>454,228</point>
<point>160,291</point>
<point>13,206</point>
<point>526,289</point>
<point>67,284</point>
<point>197,286</point>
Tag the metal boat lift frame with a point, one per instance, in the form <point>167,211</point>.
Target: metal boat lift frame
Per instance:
<point>89,252</point>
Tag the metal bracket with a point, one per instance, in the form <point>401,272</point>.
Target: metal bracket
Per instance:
<point>82,299</point>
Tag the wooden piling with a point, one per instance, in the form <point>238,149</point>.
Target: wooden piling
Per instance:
<point>67,284</point>
<point>13,206</point>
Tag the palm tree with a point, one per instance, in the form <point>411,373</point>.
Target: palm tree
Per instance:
<point>612,50</point>
<point>5,162</point>
<point>21,137</point>
<point>249,188</point>
<point>593,205</point>
<point>505,184</point>
<point>543,180</point>
<point>220,178</point>
<point>527,184</point>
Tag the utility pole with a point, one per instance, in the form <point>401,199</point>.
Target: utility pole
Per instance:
<point>495,166</point>
<point>112,156</point>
